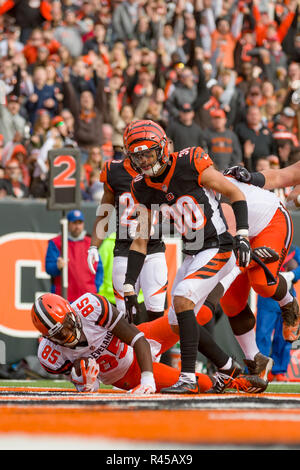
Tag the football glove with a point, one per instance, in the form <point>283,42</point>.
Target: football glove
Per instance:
<point>147,385</point>
<point>93,257</point>
<point>131,307</point>
<point>142,390</point>
<point>240,173</point>
<point>242,251</point>
<point>87,380</point>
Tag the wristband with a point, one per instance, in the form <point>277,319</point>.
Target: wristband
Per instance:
<point>147,378</point>
<point>134,266</point>
<point>128,288</point>
<point>134,340</point>
<point>240,210</point>
<point>243,233</point>
<point>258,179</point>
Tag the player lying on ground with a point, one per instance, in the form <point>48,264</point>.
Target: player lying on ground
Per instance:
<point>92,341</point>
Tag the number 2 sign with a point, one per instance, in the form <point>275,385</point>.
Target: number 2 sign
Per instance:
<point>64,181</point>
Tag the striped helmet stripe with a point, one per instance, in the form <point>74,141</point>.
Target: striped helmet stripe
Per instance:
<point>43,315</point>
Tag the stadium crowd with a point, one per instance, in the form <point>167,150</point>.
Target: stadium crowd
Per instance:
<point>216,73</point>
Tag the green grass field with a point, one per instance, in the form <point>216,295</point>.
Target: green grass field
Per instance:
<point>290,387</point>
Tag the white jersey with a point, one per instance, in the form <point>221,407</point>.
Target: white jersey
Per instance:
<point>113,356</point>
<point>262,205</point>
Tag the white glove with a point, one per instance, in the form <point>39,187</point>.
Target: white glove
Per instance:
<point>93,257</point>
<point>289,277</point>
<point>147,385</point>
<point>142,390</point>
<point>87,381</point>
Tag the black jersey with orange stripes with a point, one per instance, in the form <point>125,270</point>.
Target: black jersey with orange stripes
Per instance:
<point>181,198</point>
<point>118,176</point>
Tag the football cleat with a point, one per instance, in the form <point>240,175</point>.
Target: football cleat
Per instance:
<point>291,321</point>
<point>248,384</point>
<point>182,387</point>
<point>220,382</point>
<point>234,370</point>
<point>261,365</point>
<point>223,378</point>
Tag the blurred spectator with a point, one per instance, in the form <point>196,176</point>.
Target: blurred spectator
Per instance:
<point>121,116</point>
<point>96,41</point>
<point>88,113</point>
<point>12,184</point>
<point>100,64</point>
<point>70,32</point>
<point>262,164</point>
<point>40,128</point>
<point>43,96</point>
<point>183,130</point>
<point>222,144</point>
<point>94,162</point>
<point>28,14</point>
<point>224,39</point>
<point>185,91</point>
<point>94,189</point>
<point>80,278</point>
<point>107,146</point>
<point>11,45</point>
<point>256,140</point>
<point>11,121</point>
<point>125,19</point>
<point>69,121</point>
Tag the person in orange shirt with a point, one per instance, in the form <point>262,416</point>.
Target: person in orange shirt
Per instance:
<point>223,40</point>
<point>266,28</point>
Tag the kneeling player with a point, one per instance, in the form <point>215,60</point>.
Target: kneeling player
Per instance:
<point>92,341</point>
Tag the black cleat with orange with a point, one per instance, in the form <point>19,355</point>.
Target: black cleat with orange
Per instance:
<point>249,384</point>
<point>182,387</point>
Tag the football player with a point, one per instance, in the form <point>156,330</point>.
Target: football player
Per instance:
<point>182,187</point>
<point>92,342</point>
<point>270,225</point>
<point>117,177</point>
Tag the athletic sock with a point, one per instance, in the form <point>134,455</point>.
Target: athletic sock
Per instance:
<point>209,348</point>
<point>227,365</point>
<point>286,299</point>
<point>189,337</point>
<point>248,345</point>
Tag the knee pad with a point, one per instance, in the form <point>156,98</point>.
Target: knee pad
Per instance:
<point>243,321</point>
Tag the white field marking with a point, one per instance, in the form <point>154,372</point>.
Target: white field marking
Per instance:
<point>253,416</point>
<point>24,441</point>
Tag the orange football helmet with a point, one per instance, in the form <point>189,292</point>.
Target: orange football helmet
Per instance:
<point>140,138</point>
<point>54,317</point>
